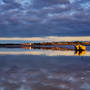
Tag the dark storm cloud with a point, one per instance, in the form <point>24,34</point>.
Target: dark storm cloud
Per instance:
<point>49,2</point>
<point>43,11</point>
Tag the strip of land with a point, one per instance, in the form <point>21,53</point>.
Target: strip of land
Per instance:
<point>43,44</point>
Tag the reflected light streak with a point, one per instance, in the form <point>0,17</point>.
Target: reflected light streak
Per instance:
<point>43,52</point>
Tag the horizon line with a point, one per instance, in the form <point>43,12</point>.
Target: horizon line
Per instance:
<point>49,38</point>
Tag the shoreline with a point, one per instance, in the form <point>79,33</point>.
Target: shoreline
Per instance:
<point>44,44</point>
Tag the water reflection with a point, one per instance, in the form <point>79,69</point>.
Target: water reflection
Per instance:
<point>80,53</point>
<point>47,51</point>
<point>30,68</point>
<point>44,73</point>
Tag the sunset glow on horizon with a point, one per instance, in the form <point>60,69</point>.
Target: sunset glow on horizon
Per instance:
<point>49,38</point>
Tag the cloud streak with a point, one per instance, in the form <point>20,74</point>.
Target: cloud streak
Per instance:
<point>49,38</point>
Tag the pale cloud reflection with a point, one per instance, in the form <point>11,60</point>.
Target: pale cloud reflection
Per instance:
<point>43,52</point>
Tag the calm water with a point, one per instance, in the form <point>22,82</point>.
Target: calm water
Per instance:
<point>32,72</point>
<point>38,69</point>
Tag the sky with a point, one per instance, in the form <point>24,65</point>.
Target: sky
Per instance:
<point>25,18</point>
<point>46,39</point>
